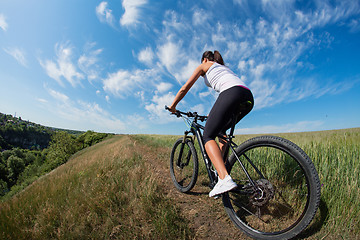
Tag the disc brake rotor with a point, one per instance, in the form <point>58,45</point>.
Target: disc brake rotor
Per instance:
<point>264,193</point>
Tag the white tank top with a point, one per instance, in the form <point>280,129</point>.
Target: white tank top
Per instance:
<point>221,78</point>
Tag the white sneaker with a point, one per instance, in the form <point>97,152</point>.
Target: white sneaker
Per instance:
<point>222,186</point>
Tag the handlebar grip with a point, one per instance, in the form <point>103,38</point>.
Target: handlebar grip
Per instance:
<point>177,113</point>
<point>189,114</point>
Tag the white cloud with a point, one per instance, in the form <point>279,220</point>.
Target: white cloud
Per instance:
<point>18,54</point>
<point>286,128</point>
<point>169,55</point>
<point>71,67</point>
<point>104,13</point>
<point>119,83</point>
<point>242,65</point>
<point>58,96</point>
<point>276,44</point>
<point>157,108</point>
<point>52,70</point>
<point>164,87</point>
<point>88,62</point>
<point>63,67</point>
<point>268,93</point>
<point>199,108</point>
<point>218,35</point>
<point>146,56</point>
<point>124,83</point>
<point>258,70</point>
<point>41,100</point>
<point>97,117</point>
<point>140,95</point>
<point>183,72</point>
<point>3,23</point>
<point>83,115</point>
<point>132,11</point>
<point>137,121</point>
<point>266,51</point>
<point>175,22</point>
<point>199,17</point>
<point>206,93</point>
<point>354,25</point>
<point>261,48</point>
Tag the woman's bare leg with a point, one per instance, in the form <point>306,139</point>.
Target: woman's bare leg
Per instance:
<point>222,146</point>
<point>215,155</point>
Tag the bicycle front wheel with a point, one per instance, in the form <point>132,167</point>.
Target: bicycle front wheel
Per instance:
<point>184,165</point>
<point>284,196</point>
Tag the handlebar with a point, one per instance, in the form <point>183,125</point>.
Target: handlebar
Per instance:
<point>188,114</point>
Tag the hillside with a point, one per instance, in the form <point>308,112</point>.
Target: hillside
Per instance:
<point>102,192</point>
<point>15,132</point>
<point>29,150</point>
<point>121,189</point>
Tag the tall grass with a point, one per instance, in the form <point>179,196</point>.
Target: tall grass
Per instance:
<point>336,155</point>
<point>103,192</point>
<point>106,192</point>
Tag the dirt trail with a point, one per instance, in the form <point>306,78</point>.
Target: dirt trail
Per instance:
<point>207,217</point>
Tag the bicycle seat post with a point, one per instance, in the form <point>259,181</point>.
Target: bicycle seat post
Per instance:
<point>232,129</point>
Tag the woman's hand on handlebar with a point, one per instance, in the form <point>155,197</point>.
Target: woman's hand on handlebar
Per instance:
<point>171,109</point>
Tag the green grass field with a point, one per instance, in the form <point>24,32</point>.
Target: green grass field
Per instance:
<point>106,192</point>
<point>103,192</point>
<point>336,155</point>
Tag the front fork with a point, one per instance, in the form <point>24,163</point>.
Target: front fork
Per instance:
<point>212,173</point>
<point>179,163</point>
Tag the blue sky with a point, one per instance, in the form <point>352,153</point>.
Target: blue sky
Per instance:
<point>111,66</point>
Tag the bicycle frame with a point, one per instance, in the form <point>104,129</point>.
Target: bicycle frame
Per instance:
<point>267,205</point>
<point>195,129</point>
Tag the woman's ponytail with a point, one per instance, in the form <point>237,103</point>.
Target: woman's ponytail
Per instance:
<point>218,58</point>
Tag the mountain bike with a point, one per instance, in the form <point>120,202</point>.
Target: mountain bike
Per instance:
<point>278,190</point>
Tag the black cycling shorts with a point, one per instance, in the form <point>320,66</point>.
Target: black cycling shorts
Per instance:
<point>233,102</point>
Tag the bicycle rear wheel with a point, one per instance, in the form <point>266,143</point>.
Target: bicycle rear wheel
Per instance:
<point>287,192</point>
<point>184,165</point>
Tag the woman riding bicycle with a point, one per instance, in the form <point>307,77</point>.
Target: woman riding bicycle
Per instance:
<point>235,99</point>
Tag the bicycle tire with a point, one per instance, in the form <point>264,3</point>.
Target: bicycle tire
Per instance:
<point>184,173</point>
<point>290,189</point>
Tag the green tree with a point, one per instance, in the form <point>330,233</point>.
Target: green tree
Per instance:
<point>15,166</point>
<point>19,153</point>
<point>29,158</point>
<point>62,146</point>
<point>90,138</point>
<point>3,170</point>
<point>6,154</point>
<point>3,144</point>
<point>3,187</point>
